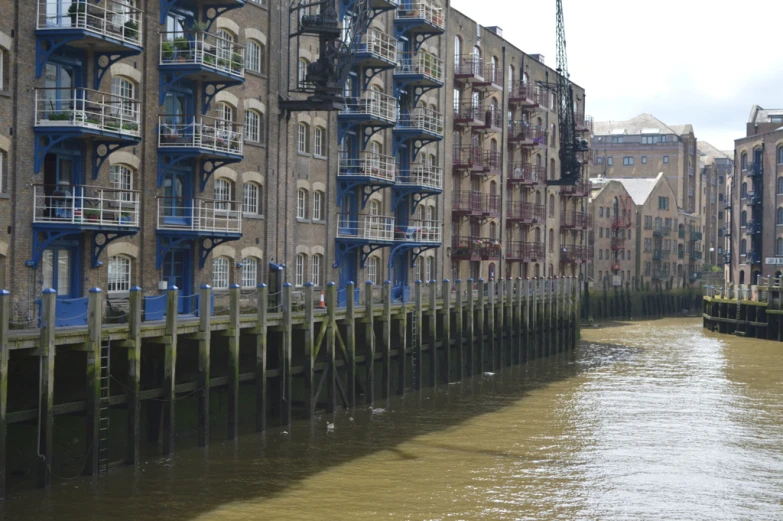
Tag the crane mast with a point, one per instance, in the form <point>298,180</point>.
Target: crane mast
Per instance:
<point>570,142</point>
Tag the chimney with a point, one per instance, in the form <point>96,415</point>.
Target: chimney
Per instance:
<point>495,29</point>
<point>539,57</point>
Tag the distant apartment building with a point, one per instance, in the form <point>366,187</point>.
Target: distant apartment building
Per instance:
<point>715,166</point>
<point>639,233</point>
<point>755,206</point>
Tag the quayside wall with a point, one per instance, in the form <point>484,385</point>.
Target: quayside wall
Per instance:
<point>638,301</point>
<point>104,392</point>
<point>751,310</point>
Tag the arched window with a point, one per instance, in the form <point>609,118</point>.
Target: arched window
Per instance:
<point>299,270</point>
<point>220,273</point>
<point>780,216</point>
<point>372,270</point>
<point>493,229</point>
<point>551,205</point>
<point>493,188</point>
<point>119,274</point>
<point>225,45</point>
<point>743,218</point>
<point>222,194</point>
<point>744,190</point>
<point>318,206</point>
<point>780,185</point>
<point>254,126</point>
<point>123,97</point>
<point>301,74</point>
<point>779,247</point>
<point>552,173</point>
<point>600,254</point>
<point>538,197</point>
<point>476,61</point>
<point>303,139</point>
<point>315,269</point>
<point>375,208</point>
<point>551,240</point>
<point>432,215</point>
<point>121,179</point>
<point>538,235</point>
<point>744,161</point>
<point>553,135</point>
<point>225,114</point>
<point>249,272</point>
<point>495,70</point>
<point>743,247</point>
<point>251,198</point>
<point>457,52</point>
<point>780,155</point>
<point>255,56</point>
<point>510,78</point>
<point>301,204</point>
<point>318,142</point>
<point>600,211</point>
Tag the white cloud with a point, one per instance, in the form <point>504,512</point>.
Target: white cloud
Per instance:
<point>703,62</point>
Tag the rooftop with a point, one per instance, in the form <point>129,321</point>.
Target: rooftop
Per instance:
<point>639,188</point>
<point>641,124</point>
<point>761,115</point>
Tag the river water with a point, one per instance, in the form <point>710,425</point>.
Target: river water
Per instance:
<point>645,421</point>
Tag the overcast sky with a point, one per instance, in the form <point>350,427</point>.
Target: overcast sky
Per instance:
<point>704,62</point>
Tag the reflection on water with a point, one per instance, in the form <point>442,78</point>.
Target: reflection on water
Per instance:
<point>654,420</point>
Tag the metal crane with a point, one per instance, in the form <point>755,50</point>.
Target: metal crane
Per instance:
<point>570,142</point>
<point>325,78</point>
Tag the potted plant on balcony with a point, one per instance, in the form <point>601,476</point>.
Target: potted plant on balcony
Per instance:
<point>198,28</point>
<point>92,215</point>
<point>58,116</point>
<point>167,50</point>
<point>77,12</point>
<point>124,218</point>
<point>182,48</point>
<point>131,127</point>
<point>132,30</point>
<point>237,62</point>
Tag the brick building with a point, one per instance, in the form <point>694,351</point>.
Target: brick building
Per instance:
<point>143,144</point>
<point>715,167</point>
<point>755,200</point>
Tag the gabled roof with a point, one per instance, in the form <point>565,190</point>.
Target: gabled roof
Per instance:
<point>761,115</point>
<point>640,188</point>
<point>641,124</point>
<point>708,150</point>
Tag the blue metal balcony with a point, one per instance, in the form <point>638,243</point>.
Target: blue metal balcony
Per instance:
<point>418,21</point>
<point>417,73</point>
<point>210,9</point>
<point>756,169</point>
<point>420,181</point>
<point>216,62</point>
<point>210,222</point>
<point>109,122</point>
<point>215,142</point>
<point>61,211</point>
<point>373,110</point>
<point>365,233</point>
<point>754,198</point>
<point>753,227</point>
<point>420,125</point>
<point>371,172</point>
<point>376,50</point>
<point>109,28</point>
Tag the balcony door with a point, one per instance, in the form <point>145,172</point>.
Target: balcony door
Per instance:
<point>177,202</point>
<point>177,271</point>
<point>59,82</point>
<point>60,268</point>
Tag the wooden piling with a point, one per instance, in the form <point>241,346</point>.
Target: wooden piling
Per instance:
<point>46,387</point>
<point>479,362</point>
<point>387,340</point>
<point>459,317</point>
<point>470,333</point>
<point>261,348</point>
<point>93,373</point>
<point>432,316</point>
<point>310,400</point>
<point>417,341</point>
<point>402,348</point>
<point>519,323</point>
<point>509,322</point>
<point>534,326</point>
<point>134,376</point>
<point>204,349</point>
<point>527,305</point>
<point>233,333</point>
<point>369,342</point>
<point>330,371</point>
<point>446,325</point>
<point>491,324</point>
<point>5,317</point>
<point>350,343</point>
<point>170,370</point>
<point>286,377</point>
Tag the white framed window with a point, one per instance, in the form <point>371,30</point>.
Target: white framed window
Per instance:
<point>300,270</point>
<point>251,198</point>
<point>301,204</point>
<point>375,208</point>
<point>2,172</point>
<point>303,139</point>
<point>318,201</point>
<point>119,274</point>
<point>2,68</point>
<point>225,44</point>
<point>253,56</point>
<point>430,268</point>
<point>301,73</point>
<point>225,112</point>
<point>222,194</point>
<point>254,128</point>
<point>431,214</point>
<point>315,269</point>
<point>121,179</point>
<point>124,92</point>
<point>56,270</point>
<point>318,142</point>
<point>372,270</point>
<point>249,273</point>
<point>220,273</point>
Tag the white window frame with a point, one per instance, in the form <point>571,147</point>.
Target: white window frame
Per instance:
<point>222,193</point>
<point>372,270</point>
<point>253,128</point>
<point>123,88</point>
<point>315,270</point>
<point>225,112</point>
<point>302,138</point>
<point>119,274</point>
<point>301,73</point>
<point>251,198</point>
<point>249,273</point>
<point>318,142</point>
<point>301,204</point>
<point>318,199</point>
<point>121,179</point>
<point>253,55</point>
<point>220,270</point>
<point>299,270</point>
<point>225,44</point>
<point>2,64</point>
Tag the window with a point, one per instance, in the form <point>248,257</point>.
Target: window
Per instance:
<point>457,51</point>
<point>372,270</point>
<point>220,273</point>
<point>744,161</point>
<point>780,149</point>
<point>225,45</point>
<point>648,222</point>
<point>665,160</point>
<point>225,112</point>
<point>254,126</point>
<point>315,269</point>
<point>644,160</point>
<point>250,198</point>
<point>301,74</point>
<point>122,92</point>
<point>255,56</point>
<point>120,177</point>
<point>600,254</point>
<point>303,139</point>
<point>301,204</point>
<point>119,274</point>
<point>318,142</point>
<point>647,244</point>
<point>222,194</point>
<point>551,205</point>
<point>249,273</point>
<point>318,199</point>
<point>2,179</point>
<point>600,211</point>
<point>628,161</point>
<point>780,216</point>
<point>511,78</point>
<point>375,208</point>
<point>300,267</point>
<point>430,269</point>
<point>599,160</point>
<point>2,65</point>
<point>600,233</point>
<point>609,161</point>
<point>663,203</point>
<point>56,270</point>
<point>743,247</point>
<point>780,185</point>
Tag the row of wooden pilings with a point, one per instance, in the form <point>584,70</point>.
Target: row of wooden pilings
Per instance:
<point>471,328</point>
